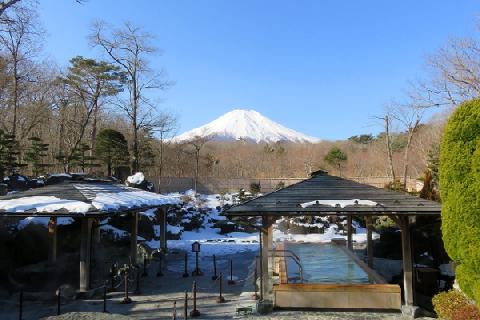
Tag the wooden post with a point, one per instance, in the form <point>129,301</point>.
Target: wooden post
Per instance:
<point>163,228</point>
<point>52,237</point>
<point>133,236</point>
<point>407,261</point>
<point>349,232</point>
<point>369,242</point>
<point>266,265</point>
<point>85,244</point>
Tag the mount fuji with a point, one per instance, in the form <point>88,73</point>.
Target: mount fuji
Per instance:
<point>247,125</point>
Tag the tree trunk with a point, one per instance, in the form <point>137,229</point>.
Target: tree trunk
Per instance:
<point>134,103</point>
<point>411,132</point>
<point>389,148</point>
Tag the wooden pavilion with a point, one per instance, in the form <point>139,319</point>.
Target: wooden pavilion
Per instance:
<point>325,195</point>
<point>89,201</point>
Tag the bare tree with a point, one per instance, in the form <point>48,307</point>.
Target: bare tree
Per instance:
<point>165,126</point>
<point>19,40</point>
<point>129,47</point>
<point>197,144</point>
<point>409,116</point>
<point>4,5</point>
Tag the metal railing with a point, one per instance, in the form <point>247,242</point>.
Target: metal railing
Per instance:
<point>289,254</point>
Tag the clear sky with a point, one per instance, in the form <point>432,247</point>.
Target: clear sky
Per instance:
<point>322,67</point>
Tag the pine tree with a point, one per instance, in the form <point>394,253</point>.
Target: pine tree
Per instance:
<point>9,151</point>
<point>112,149</point>
<point>81,158</point>
<point>35,155</point>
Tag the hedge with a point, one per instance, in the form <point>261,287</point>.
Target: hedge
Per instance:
<point>460,193</point>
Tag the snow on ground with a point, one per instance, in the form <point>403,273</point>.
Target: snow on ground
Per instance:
<point>215,243</point>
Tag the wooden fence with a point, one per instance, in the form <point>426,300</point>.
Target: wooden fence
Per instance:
<point>209,185</point>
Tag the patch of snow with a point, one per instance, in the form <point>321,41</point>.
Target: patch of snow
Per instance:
<point>137,178</point>
<point>42,221</point>
<point>339,203</point>
<point>150,213</point>
<point>109,201</point>
<point>43,204</point>
<point>60,175</point>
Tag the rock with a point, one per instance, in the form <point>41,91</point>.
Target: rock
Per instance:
<point>3,189</point>
<point>67,292</point>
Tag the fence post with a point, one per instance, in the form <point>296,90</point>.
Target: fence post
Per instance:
<point>105,298</point>
<point>126,299</point>
<point>220,298</point>
<point>214,277</point>
<point>231,281</point>
<point>174,313</point>
<point>194,313</point>
<point>59,294</point>
<point>20,306</point>
<point>185,306</point>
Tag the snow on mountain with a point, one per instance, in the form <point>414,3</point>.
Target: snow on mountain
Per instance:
<point>246,125</point>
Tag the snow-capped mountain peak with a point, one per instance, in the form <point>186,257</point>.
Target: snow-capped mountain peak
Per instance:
<point>245,124</point>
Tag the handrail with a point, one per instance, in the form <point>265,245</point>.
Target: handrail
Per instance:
<point>291,255</point>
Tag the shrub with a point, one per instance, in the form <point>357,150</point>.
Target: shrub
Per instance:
<point>468,312</point>
<point>255,187</point>
<point>447,303</point>
<point>280,185</point>
<point>459,188</point>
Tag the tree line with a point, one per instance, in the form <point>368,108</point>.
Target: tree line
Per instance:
<point>101,114</point>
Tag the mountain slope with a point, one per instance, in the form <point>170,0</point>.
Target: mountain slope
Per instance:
<point>246,125</point>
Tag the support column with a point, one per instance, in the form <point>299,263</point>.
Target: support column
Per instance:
<point>407,261</point>
<point>133,236</point>
<point>349,232</point>
<point>52,239</point>
<point>266,304</point>
<point>369,241</point>
<point>162,216</point>
<point>85,244</point>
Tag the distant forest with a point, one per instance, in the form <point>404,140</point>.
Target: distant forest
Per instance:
<point>56,119</point>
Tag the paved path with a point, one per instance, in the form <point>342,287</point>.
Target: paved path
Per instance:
<point>159,293</point>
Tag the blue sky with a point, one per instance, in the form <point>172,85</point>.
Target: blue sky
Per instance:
<point>324,68</point>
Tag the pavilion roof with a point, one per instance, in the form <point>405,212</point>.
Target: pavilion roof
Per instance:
<point>81,198</point>
<point>323,194</point>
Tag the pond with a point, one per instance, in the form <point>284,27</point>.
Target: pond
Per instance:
<point>325,263</point>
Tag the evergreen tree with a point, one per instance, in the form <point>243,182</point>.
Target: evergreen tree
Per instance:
<point>460,189</point>
<point>112,149</point>
<point>9,152</point>
<point>336,157</point>
<point>35,154</point>
<point>81,158</point>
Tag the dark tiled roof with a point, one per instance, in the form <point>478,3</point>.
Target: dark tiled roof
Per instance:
<point>288,201</point>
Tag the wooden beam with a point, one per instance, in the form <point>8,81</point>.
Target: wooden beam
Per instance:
<point>162,216</point>
<point>52,239</point>
<point>85,245</point>
<point>133,236</point>
<point>407,261</point>
<point>267,287</point>
<point>349,233</point>
<point>369,241</point>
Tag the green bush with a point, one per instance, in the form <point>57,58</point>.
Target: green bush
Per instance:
<point>445,304</point>
<point>460,188</point>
